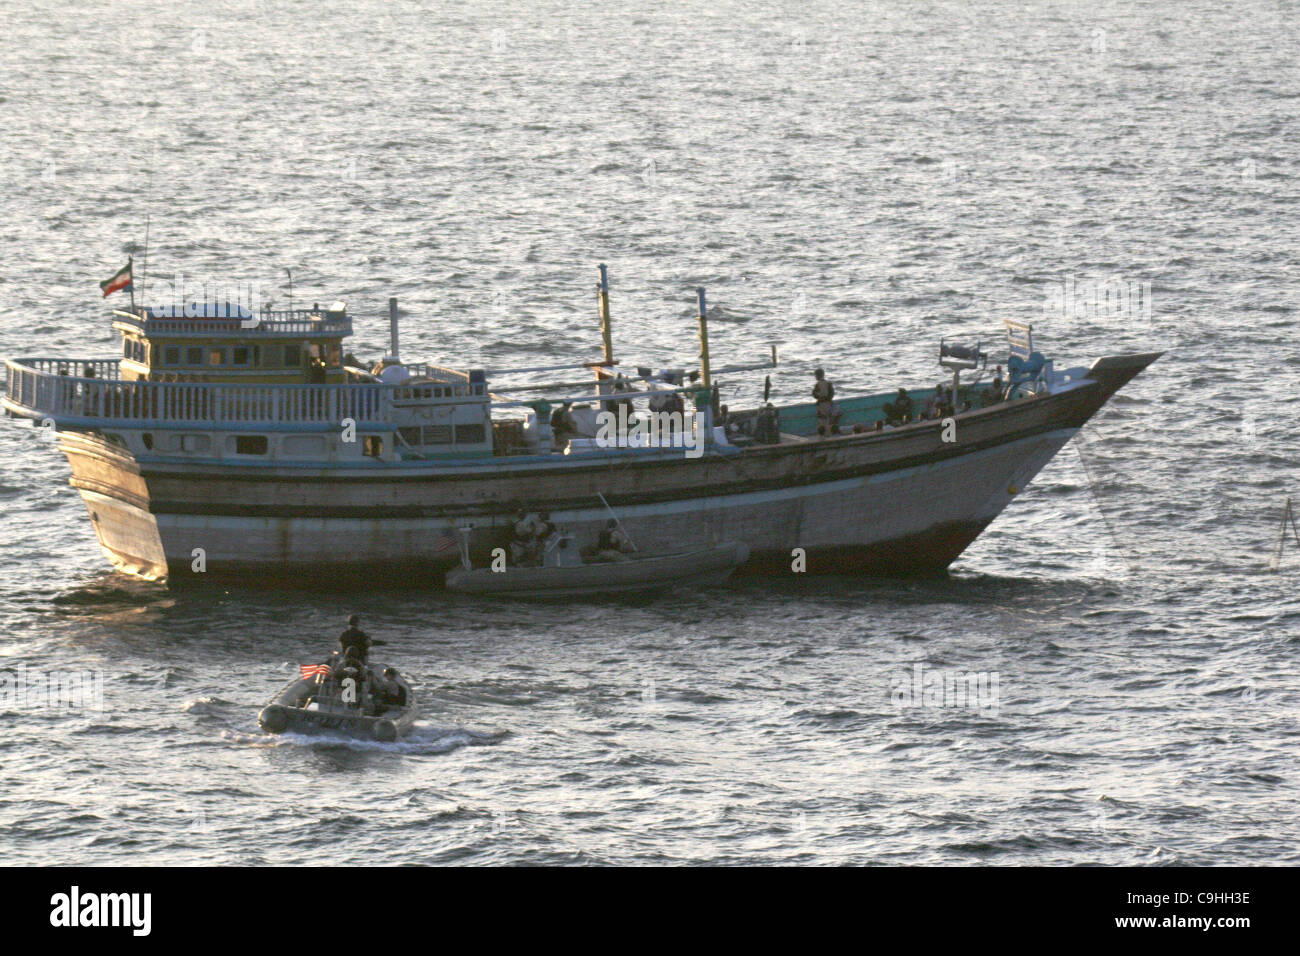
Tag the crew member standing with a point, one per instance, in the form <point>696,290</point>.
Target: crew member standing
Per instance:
<point>823,392</point>
<point>563,426</point>
<point>355,637</point>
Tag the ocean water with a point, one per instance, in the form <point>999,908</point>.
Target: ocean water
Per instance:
<point>854,184</point>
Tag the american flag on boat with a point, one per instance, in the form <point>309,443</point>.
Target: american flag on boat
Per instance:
<point>442,542</point>
<point>311,670</point>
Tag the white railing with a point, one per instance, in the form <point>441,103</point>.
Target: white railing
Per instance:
<point>435,372</point>
<point>267,321</point>
<point>102,368</point>
<point>36,388</point>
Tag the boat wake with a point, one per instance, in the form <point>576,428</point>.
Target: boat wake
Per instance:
<point>422,740</point>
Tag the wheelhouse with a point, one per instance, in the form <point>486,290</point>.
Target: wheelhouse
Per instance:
<point>220,342</point>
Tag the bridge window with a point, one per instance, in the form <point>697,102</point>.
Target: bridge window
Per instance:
<point>190,443</point>
<point>373,446</point>
<point>428,435</point>
<point>194,355</point>
<point>292,356</point>
<point>250,444</point>
<point>239,355</point>
<point>443,435</point>
<point>269,356</point>
<point>172,355</point>
<point>216,356</point>
<point>470,434</point>
<point>304,445</point>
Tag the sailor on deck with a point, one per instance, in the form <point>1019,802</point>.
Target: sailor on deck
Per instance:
<point>523,538</point>
<point>613,544</point>
<point>823,392</point>
<point>663,402</point>
<point>350,667</point>
<point>355,637</point>
<point>388,692</point>
<point>899,410</point>
<point>767,425</point>
<point>621,384</point>
<point>993,394</point>
<point>563,426</point>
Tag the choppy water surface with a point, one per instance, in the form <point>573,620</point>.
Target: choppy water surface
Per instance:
<point>853,185</point>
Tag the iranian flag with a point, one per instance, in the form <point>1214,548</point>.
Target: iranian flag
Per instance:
<point>121,280</point>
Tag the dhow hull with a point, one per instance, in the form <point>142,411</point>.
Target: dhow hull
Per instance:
<point>905,501</point>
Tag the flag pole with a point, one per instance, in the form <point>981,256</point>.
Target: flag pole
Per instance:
<point>130,264</point>
<point>145,271</point>
<point>144,278</point>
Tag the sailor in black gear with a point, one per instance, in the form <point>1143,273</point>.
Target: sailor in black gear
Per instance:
<point>899,411</point>
<point>613,543</point>
<point>767,427</point>
<point>388,691</point>
<point>349,665</point>
<point>606,540</point>
<point>355,637</point>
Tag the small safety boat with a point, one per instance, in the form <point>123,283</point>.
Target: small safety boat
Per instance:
<point>564,573</point>
<point>316,703</point>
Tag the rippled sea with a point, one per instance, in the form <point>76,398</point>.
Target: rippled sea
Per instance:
<point>854,184</point>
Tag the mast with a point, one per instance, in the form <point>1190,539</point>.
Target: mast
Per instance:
<point>706,375</point>
<point>602,292</point>
<point>392,327</point>
<point>704,339</point>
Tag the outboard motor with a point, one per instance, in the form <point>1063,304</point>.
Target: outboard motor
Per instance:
<point>1025,371</point>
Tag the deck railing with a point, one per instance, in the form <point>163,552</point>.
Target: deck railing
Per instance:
<point>36,389</point>
<point>264,322</point>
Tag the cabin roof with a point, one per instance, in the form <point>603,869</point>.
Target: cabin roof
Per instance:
<point>223,320</point>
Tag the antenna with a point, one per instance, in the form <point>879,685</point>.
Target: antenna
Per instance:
<point>144,271</point>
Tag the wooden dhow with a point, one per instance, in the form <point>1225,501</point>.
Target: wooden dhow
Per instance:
<point>228,442</point>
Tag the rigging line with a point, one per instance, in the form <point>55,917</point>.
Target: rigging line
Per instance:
<point>1093,481</point>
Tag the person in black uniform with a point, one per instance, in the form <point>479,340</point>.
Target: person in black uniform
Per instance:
<point>899,411</point>
<point>389,692</point>
<point>355,637</point>
<point>613,542</point>
<point>347,665</point>
<point>767,426</point>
